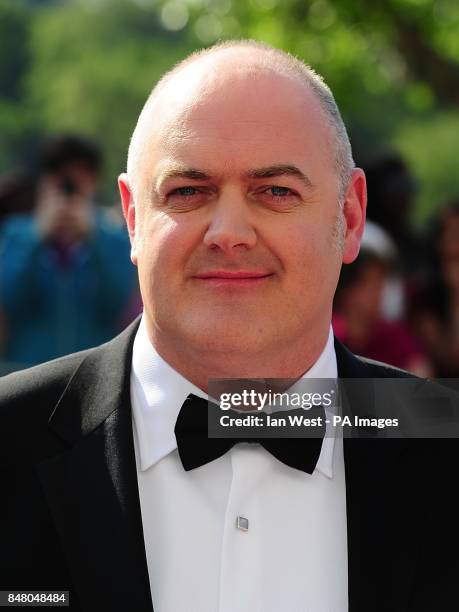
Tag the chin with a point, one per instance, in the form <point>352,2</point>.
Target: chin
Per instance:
<point>227,338</point>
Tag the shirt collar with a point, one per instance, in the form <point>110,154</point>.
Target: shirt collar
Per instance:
<point>158,392</point>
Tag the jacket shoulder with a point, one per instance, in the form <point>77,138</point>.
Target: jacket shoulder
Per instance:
<point>29,397</point>
<point>379,369</point>
<point>351,365</point>
<point>32,393</point>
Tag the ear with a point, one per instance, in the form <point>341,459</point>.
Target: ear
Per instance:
<point>354,210</point>
<point>128,212</point>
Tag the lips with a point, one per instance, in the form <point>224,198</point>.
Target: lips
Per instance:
<point>233,279</point>
<point>227,275</point>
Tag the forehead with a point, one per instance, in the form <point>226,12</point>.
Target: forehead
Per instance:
<point>231,118</point>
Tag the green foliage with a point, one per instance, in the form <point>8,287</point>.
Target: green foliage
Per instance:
<point>93,70</point>
<point>15,123</point>
<point>88,66</point>
<point>430,147</point>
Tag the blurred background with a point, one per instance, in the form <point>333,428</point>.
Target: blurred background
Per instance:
<point>74,75</point>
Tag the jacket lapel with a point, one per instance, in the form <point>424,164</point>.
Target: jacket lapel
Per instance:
<point>91,487</point>
<point>382,505</point>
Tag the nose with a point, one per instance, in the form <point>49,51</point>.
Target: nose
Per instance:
<point>230,227</point>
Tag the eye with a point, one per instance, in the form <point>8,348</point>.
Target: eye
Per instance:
<point>279,192</point>
<point>277,197</point>
<point>184,191</point>
<point>187,198</point>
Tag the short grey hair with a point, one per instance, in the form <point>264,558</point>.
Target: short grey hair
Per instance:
<point>283,63</point>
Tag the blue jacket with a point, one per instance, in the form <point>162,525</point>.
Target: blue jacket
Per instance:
<point>52,310</point>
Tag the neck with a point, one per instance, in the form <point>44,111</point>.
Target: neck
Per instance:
<point>199,365</point>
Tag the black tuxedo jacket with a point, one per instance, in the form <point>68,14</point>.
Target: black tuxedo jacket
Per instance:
<point>69,506</point>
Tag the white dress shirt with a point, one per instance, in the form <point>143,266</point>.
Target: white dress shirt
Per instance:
<point>292,558</point>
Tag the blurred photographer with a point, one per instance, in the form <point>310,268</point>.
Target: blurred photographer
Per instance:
<point>65,209</point>
<point>65,274</point>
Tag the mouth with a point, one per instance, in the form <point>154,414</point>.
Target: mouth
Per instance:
<point>241,278</point>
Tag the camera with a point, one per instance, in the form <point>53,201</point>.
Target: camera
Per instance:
<point>68,186</point>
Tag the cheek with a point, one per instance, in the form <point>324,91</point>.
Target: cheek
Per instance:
<point>310,249</point>
<point>152,239</point>
<point>164,245</point>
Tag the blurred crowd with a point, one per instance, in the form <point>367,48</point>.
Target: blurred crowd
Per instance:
<point>66,279</point>
<point>67,283</point>
<point>399,301</point>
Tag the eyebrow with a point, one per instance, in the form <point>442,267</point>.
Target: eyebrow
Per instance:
<point>257,173</point>
<point>189,173</point>
<point>280,170</point>
<point>177,172</point>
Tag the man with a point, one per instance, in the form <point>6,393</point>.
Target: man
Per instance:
<point>242,202</point>
<point>67,259</point>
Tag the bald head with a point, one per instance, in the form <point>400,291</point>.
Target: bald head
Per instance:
<point>208,72</point>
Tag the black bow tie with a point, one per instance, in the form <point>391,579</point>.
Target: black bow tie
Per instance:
<point>196,448</point>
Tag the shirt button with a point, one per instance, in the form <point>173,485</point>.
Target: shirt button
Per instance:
<point>242,523</point>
